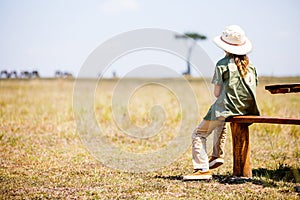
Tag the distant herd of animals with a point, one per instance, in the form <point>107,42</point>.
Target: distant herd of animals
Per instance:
<point>4,74</point>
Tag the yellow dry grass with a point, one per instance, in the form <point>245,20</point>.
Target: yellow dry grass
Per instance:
<point>42,157</point>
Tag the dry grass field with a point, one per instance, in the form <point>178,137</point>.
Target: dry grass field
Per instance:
<point>42,156</point>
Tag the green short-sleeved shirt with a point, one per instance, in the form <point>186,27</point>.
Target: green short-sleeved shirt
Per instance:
<point>238,95</point>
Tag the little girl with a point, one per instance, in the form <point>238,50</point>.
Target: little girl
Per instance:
<point>235,82</point>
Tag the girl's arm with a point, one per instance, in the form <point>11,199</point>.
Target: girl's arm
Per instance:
<point>217,90</point>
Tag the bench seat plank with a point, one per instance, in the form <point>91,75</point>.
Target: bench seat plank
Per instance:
<point>263,119</point>
<point>283,88</point>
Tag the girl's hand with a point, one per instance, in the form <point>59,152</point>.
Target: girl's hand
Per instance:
<point>217,90</point>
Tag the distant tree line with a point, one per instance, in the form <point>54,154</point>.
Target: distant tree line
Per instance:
<point>22,74</point>
<point>60,74</point>
<point>6,74</point>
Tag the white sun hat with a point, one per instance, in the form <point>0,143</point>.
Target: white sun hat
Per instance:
<point>234,40</point>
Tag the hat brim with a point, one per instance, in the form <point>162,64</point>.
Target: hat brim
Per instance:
<point>234,49</point>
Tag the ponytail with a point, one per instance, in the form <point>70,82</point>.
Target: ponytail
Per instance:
<point>241,62</point>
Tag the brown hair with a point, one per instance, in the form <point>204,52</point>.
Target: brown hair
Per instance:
<point>241,62</point>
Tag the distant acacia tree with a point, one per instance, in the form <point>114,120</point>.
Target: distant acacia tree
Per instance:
<point>190,36</point>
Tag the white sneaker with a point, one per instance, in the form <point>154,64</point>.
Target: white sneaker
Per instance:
<point>215,162</point>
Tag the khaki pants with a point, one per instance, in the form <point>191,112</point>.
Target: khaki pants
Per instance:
<point>199,137</point>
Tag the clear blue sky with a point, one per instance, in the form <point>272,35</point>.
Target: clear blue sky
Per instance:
<point>47,35</point>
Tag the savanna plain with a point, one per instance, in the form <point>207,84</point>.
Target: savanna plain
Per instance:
<point>43,156</point>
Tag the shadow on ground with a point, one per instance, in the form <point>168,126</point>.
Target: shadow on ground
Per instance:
<point>172,178</point>
<point>223,179</point>
<point>286,174</point>
<point>283,173</point>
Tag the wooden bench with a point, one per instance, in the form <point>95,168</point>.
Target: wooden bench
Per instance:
<point>283,88</point>
<point>240,139</point>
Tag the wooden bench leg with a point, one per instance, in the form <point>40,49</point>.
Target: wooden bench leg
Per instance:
<point>241,150</point>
